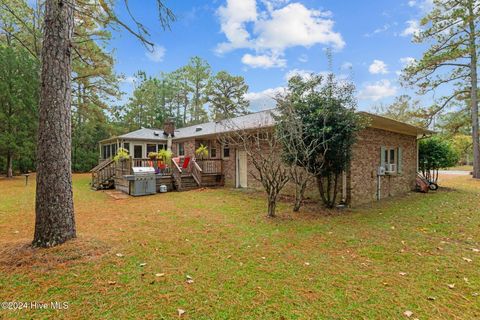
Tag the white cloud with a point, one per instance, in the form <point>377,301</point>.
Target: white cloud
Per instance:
<point>377,90</point>
<point>295,25</point>
<point>157,54</point>
<point>407,61</point>
<point>412,29</point>
<point>378,67</point>
<point>382,29</point>
<point>423,5</point>
<point>233,19</point>
<point>305,74</point>
<point>263,61</point>
<point>264,99</point>
<point>270,32</point>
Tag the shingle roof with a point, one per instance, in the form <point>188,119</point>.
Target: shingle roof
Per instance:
<point>249,121</point>
<point>256,120</point>
<point>145,134</point>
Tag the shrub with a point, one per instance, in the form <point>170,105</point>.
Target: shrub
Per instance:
<point>435,153</point>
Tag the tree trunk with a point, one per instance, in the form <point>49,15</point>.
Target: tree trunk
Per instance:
<point>335,190</point>
<point>474,97</point>
<point>298,198</point>
<point>272,205</point>
<point>9,165</point>
<point>55,221</point>
<point>321,190</point>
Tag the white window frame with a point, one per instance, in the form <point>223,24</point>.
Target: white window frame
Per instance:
<point>183,148</point>
<point>389,160</point>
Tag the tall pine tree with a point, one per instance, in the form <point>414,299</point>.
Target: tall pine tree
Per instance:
<point>452,27</point>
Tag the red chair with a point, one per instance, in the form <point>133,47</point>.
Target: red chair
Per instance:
<point>186,161</point>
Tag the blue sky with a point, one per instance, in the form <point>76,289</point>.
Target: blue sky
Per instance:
<point>265,41</point>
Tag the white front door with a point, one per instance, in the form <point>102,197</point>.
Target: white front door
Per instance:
<point>241,169</point>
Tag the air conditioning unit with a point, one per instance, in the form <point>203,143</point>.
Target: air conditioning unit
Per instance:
<point>381,171</point>
<point>391,168</point>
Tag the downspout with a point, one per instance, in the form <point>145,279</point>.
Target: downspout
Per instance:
<point>378,186</point>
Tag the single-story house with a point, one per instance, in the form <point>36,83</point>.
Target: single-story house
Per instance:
<point>384,162</point>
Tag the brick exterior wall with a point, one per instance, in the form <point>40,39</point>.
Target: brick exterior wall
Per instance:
<point>362,178</point>
<point>188,145</point>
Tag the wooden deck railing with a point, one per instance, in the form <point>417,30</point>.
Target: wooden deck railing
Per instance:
<point>196,171</point>
<point>211,166</point>
<point>177,174</point>
<point>103,173</point>
<point>149,163</point>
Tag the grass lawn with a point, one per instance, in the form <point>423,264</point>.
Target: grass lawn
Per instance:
<point>417,253</point>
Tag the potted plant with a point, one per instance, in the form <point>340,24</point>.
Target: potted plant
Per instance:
<point>122,156</point>
<point>202,152</point>
<point>164,158</point>
<point>153,155</point>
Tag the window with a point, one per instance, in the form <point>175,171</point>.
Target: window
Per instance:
<point>114,149</point>
<point>161,147</point>
<point>104,152</point>
<point>226,151</point>
<point>181,149</point>
<point>151,148</point>
<point>138,151</point>
<point>213,152</point>
<point>107,154</point>
<point>391,159</point>
<point>126,146</point>
<point>390,156</point>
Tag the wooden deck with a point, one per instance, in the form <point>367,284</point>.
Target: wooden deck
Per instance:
<point>197,174</point>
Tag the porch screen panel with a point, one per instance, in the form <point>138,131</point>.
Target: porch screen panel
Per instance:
<point>151,148</point>
<point>138,151</point>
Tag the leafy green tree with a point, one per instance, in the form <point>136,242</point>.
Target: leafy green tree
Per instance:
<point>452,29</point>
<point>226,94</point>
<point>462,144</point>
<point>319,130</point>
<point>180,98</point>
<point>434,154</point>
<point>19,84</point>
<point>198,73</point>
<point>405,109</point>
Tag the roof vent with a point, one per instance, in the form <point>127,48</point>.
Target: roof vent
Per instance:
<point>198,129</point>
<point>156,133</point>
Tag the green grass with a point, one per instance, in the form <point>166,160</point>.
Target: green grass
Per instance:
<point>245,266</point>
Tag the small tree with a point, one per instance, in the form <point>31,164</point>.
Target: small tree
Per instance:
<point>322,112</point>
<point>262,148</point>
<point>295,149</point>
<point>435,153</point>
<point>202,151</point>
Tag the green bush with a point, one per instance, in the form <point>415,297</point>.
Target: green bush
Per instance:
<point>434,154</point>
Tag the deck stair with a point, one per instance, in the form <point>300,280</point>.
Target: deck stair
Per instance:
<point>103,175</point>
<point>188,182</point>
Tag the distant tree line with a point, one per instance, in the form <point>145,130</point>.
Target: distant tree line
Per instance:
<point>184,94</point>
